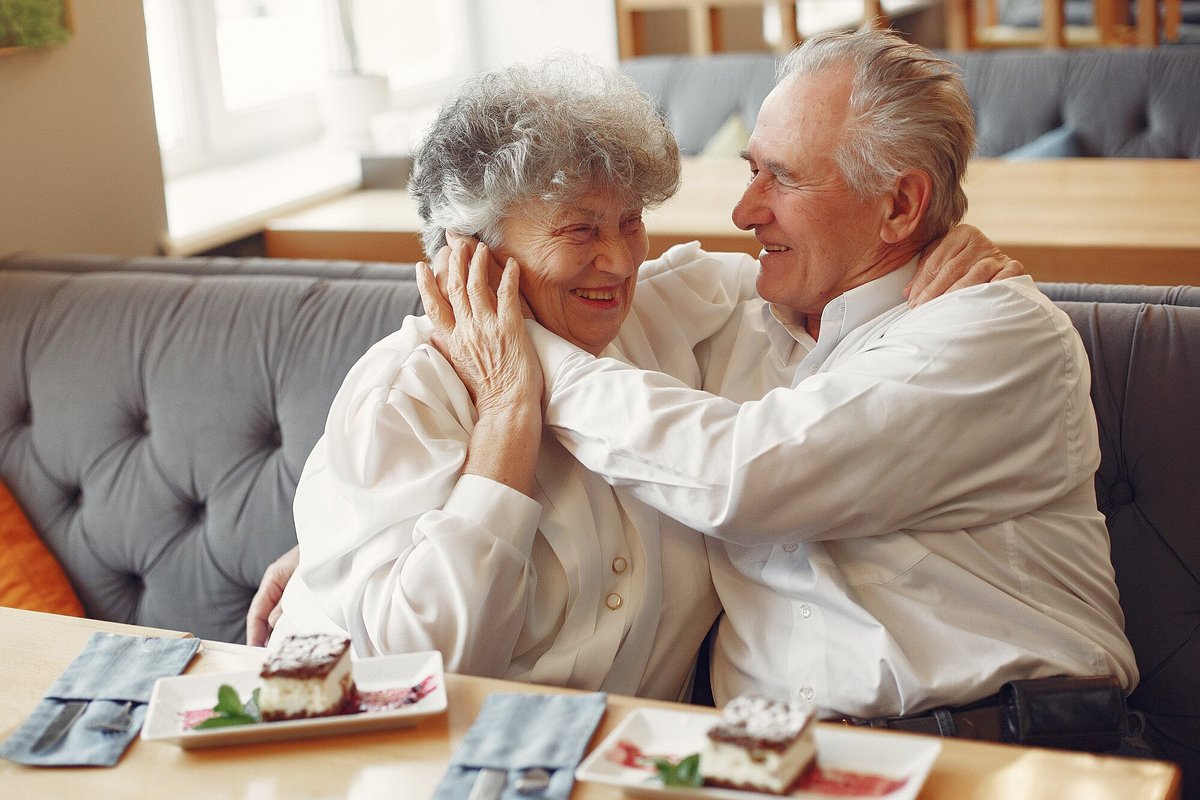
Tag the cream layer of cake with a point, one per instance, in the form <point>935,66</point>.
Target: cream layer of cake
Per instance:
<point>759,745</point>
<point>308,676</point>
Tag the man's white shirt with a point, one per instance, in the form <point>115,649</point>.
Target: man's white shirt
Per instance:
<point>902,514</point>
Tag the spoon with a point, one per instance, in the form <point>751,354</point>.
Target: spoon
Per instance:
<point>532,781</point>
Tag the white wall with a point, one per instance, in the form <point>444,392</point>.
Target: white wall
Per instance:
<point>525,30</point>
<point>79,164</point>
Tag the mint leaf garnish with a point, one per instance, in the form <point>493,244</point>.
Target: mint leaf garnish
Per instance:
<point>685,772</point>
<point>230,710</point>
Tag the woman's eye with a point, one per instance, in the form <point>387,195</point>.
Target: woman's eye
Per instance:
<point>632,225</point>
<point>580,232</point>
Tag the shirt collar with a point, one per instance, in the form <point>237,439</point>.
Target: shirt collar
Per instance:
<point>841,315</point>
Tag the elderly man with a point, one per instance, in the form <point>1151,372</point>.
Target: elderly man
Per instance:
<point>899,501</point>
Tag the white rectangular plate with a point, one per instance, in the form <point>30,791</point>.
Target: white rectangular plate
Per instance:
<point>173,697</point>
<point>676,734</point>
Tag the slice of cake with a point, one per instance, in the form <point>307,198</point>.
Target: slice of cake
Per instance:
<point>759,745</point>
<point>307,676</point>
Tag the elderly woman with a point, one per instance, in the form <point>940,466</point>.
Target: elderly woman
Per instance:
<point>429,518</point>
<point>426,522</point>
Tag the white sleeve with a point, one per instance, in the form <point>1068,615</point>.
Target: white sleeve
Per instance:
<point>964,413</point>
<point>398,548</point>
<point>682,299</point>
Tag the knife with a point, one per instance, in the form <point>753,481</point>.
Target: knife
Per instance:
<point>488,784</point>
<point>59,726</point>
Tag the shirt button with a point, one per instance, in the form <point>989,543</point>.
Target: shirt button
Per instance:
<point>806,692</point>
<point>790,547</point>
<point>613,601</point>
<point>619,565</point>
<point>805,611</point>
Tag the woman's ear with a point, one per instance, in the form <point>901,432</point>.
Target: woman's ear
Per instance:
<point>905,206</point>
<point>459,238</point>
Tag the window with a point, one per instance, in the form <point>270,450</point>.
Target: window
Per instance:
<point>234,79</point>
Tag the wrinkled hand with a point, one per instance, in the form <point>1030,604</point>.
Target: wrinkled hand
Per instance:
<point>481,331</point>
<point>264,608</point>
<point>963,257</point>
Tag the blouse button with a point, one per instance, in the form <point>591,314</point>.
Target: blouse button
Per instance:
<point>613,601</point>
<point>807,692</point>
<point>790,547</point>
<point>619,565</point>
<point>805,611</point>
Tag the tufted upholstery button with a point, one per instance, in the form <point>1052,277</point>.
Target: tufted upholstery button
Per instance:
<point>1121,493</point>
<point>274,436</point>
<point>198,510</point>
<point>146,424</point>
<point>27,415</point>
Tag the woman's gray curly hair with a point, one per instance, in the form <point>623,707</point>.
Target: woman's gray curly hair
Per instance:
<point>552,132</point>
<point>908,109</point>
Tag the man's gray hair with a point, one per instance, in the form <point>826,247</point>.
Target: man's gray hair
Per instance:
<point>908,109</point>
<point>553,132</point>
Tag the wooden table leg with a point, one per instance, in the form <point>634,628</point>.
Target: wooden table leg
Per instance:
<point>960,24</point>
<point>1054,24</point>
<point>1147,23</point>
<point>1172,19</point>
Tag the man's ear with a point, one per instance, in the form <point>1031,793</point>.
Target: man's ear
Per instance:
<point>905,206</point>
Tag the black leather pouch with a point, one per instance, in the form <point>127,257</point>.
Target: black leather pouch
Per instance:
<point>1067,713</point>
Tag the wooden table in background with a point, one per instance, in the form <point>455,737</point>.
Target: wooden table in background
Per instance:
<point>1101,220</point>
<point>408,763</point>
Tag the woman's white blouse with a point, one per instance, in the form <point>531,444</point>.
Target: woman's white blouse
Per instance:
<point>580,586</point>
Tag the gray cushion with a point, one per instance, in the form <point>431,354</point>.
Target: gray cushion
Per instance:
<point>698,94</point>
<point>1058,143</point>
<point>1120,102</point>
<point>1145,363</point>
<point>154,424</point>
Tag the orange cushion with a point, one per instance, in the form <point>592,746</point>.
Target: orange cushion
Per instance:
<point>30,577</point>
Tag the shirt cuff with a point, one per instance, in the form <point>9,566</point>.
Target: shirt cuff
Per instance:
<point>552,351</point>
<point>512,516</point>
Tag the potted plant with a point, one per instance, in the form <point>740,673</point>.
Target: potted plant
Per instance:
<point>33,23</point>
<point>350,97</point>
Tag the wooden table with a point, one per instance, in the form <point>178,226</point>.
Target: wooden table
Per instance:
<point>35,648</point>
<point>1102,220</point>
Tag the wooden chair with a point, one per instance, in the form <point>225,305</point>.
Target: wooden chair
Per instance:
<point>968,29</point>
<point>704,31</point>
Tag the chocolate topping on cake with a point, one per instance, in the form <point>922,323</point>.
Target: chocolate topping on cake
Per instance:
<point>759,722</point>
<point>305,656</point>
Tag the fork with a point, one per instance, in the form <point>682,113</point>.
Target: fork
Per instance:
<point>117,723</point>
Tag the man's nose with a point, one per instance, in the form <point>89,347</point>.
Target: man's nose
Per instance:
<point>751,210</point>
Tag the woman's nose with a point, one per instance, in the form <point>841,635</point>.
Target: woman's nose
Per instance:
<point>615,257</point>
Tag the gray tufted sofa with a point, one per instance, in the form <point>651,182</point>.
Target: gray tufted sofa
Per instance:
<point>1128,103</point>
<point>155,415</point>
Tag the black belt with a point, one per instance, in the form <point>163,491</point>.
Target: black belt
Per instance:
<point>986,723</point>
<point>1074,713</point>
<point>983,719</point>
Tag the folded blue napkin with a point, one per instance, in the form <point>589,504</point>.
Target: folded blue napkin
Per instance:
<point>518,732</point>
<point>111,671</point>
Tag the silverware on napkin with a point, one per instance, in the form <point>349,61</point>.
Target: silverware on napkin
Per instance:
<point>488,785</point>
<point>59,726</point>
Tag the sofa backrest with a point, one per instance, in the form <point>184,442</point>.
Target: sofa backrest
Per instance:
<point>1144,348</point>
<point>1118,102</point>
<point>155,416</point>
